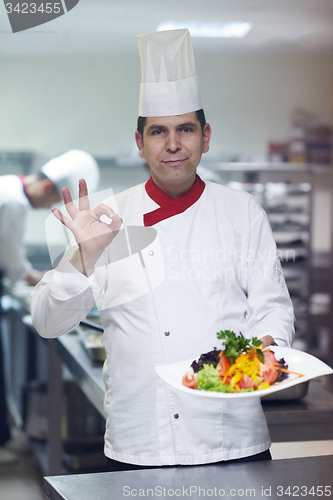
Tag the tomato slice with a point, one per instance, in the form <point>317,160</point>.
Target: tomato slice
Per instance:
<point>269,358</point>
<point>246,382</point>
<point>270,375</point>
<point>189,379</point>
<point>223,365</point>
<point>267,369</point>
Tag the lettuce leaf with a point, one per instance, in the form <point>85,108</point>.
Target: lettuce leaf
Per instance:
<point>208,380</point>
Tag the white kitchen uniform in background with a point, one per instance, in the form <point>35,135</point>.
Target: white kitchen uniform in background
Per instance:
<point>14,206</point>
<point>220,271</point>
<point>68,168</point>
<point>64,170</point>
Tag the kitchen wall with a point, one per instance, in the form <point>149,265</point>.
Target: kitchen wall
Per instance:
<point>51,105</point>
<point>249,99</point>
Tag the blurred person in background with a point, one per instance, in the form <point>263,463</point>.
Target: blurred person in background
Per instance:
<point>17,195</point>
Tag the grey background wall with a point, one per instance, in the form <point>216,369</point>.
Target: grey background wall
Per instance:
<point>49,105</point>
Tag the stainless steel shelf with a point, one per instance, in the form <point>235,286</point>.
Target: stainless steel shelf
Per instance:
<point>88,376</point>
<point>217,166</point>
<point>287,201</point>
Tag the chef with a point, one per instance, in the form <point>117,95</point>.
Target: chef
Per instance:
<point>40,190</point>
<point>17,195</point>
<point>172,262</point>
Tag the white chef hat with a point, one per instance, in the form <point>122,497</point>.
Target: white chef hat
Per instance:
<point>67,169</point>
<point>169,82</point>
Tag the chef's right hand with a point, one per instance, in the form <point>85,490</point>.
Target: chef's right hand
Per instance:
<point>91,234</point>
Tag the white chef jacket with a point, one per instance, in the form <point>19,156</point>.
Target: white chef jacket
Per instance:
<point>211,268</point>
<point>13,210</point>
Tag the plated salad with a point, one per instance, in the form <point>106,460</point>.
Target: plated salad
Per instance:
<point>240,366</point>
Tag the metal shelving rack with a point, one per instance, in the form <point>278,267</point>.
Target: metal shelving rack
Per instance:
<point>285,191</point>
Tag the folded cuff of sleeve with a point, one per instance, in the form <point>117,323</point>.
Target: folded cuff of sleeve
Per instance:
<point>68,282</point>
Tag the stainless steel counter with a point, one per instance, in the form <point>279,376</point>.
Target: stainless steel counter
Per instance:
<point>302,477</point>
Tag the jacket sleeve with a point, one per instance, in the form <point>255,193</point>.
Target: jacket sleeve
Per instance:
<point>13,256</point>
<point>63,298</point>
<point>270,310</point>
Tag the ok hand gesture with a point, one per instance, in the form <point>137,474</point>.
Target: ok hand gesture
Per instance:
<point>91,234</point>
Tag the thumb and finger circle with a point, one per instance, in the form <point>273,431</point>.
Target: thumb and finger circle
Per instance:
<point>84,205</point>
<point>99,211</point>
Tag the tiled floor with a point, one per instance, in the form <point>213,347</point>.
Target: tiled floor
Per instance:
<point>22,480</point>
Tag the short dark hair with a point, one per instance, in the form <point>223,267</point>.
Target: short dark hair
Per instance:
<point>199,114</point>
<point>40,176</point>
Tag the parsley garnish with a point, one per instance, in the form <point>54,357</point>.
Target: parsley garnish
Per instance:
<point>235,345</point>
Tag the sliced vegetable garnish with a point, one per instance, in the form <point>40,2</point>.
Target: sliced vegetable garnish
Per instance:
<point>241,366</point>
<point>234,345</point>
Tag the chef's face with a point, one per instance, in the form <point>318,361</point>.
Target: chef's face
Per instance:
<point>51,199</point>
<point>42,193</point>
<point>172,147</point>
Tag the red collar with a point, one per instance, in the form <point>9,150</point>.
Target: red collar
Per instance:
<point>170,206</point>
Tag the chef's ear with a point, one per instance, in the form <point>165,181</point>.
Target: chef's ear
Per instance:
<point>206,135</point>
<point>139,143</point>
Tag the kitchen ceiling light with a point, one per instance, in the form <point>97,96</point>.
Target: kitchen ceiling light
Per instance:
<point>233,29</point>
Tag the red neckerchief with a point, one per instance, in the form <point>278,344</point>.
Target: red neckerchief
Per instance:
<point>170,206</point>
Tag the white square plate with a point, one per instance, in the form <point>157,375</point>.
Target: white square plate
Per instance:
<point>297,361</point>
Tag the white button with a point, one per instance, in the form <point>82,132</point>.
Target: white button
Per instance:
<point>94,287</point>
<point>167,333</point>
<point>150,252</point>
